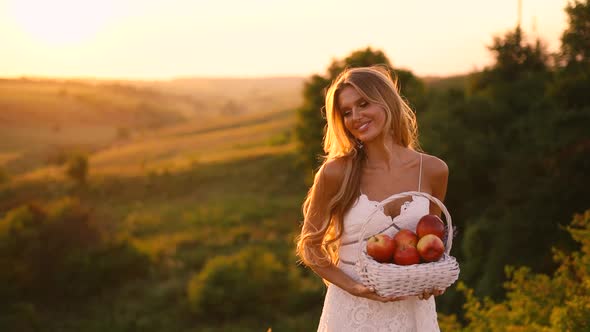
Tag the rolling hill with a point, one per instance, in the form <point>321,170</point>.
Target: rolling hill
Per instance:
<point>43,121</point>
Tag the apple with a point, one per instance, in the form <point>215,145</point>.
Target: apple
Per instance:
<point>405,238</point>
<point>381,248</point>
<point>406,256</point>
<point>430,247</point>
<point>430,224</point>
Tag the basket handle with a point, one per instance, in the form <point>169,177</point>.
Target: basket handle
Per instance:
<point>393,197</point>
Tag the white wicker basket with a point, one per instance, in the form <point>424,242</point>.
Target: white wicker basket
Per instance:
<point>389,279</point>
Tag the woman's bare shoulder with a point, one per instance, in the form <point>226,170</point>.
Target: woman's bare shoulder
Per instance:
<point>437,174</point>
<point>333,171</point>
<point>329,178</point>
<point>434,166</point>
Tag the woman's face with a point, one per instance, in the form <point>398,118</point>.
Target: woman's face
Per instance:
<point>362,119</point>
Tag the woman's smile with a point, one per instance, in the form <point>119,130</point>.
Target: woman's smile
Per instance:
<point>363,127</point>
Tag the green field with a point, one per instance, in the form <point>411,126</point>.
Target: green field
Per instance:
<point>181,192</point>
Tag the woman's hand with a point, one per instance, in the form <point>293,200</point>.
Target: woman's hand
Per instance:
<point>369,293</point>
<point>427,293</point>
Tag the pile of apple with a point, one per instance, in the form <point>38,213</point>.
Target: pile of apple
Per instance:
<point>407,247</point>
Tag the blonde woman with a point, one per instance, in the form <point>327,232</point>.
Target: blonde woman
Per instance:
<point>372,153</point>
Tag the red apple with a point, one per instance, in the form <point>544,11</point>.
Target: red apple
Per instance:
<point>430,247</point>
<point>430,224</point>
<point>405,238</point>
<point>381,248</point>
<point>406,256</point>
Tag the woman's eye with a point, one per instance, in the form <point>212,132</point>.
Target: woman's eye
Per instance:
<point>346,113</point>
<point>364,104</point>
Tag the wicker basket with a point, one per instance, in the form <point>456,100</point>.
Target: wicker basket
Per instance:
<point>389,279</point>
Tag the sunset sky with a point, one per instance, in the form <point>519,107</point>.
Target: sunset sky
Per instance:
<point>161,39</point>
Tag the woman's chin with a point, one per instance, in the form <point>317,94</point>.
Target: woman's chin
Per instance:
<point>367,138</point>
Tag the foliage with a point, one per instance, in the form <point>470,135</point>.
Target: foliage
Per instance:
<point>540,302</point>
<point>20,316</point>
<point>448,323</point>
<point>185,216</point>
<point>109,265</point>
<point>250,283</point>
<point>3,175</point>
<point>520,154</point>
<point>576,37</point>
<point>77,168</point>
<point>573,75</point>
<point>58,250</point>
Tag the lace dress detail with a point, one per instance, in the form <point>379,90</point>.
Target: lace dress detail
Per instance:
<point>343,312</point>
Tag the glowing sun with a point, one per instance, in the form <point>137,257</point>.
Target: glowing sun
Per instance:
<point>62,21</point>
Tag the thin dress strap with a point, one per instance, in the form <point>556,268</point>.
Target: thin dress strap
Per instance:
<point>420,177</point>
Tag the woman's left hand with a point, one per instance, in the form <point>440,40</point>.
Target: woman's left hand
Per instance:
<point>427,293</point>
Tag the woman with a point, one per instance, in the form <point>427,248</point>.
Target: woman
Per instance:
<point>371,142</point>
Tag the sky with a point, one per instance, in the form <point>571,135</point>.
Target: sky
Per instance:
<point>165,39</point>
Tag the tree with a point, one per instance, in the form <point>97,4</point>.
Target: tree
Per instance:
<point>480,134</point>
<point>573,76</point>
<point>536,170</point>
<point>576,37</point>
<point>3,175</point>
<point>521,157</point>
<point>77,168</point>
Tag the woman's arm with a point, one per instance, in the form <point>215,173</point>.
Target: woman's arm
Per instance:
<point>326,185</point>
<point>438,172</point>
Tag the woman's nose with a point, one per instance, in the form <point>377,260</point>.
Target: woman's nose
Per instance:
<point>356,114</point>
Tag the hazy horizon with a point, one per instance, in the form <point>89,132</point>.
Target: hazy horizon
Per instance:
<point>179,78</point>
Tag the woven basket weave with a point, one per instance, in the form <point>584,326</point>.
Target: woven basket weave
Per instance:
<point>389,279</point>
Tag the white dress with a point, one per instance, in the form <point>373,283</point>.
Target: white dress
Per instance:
<point>344,312</point>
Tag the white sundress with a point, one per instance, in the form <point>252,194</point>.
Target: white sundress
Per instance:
<point>344,312</point>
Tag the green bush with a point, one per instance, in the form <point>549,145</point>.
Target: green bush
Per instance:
<point>87,273</point>
<point>58,251</point>
<point>21,316</point>
<point>3,175</point>
<point>252,283</point>
<point>77,168</point>
<point>536,301</point>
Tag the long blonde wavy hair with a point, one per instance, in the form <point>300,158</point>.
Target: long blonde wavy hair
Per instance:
<point>375,85</point>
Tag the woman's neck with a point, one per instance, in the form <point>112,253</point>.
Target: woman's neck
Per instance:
<point>385,154</point>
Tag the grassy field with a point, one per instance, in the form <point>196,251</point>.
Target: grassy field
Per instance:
<point>182,219</point>
<point>183,193</point>
<point>174,148</point>
<point>43,120</point>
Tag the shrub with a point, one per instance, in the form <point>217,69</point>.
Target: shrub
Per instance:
<point>3,175</point>
<point>252,283</point>
<point>22,317</point>
<point>123,133</point>
<point>540,302</point>
<point>58,251</point>
<point>77,168</point>
<point>87,273</point>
